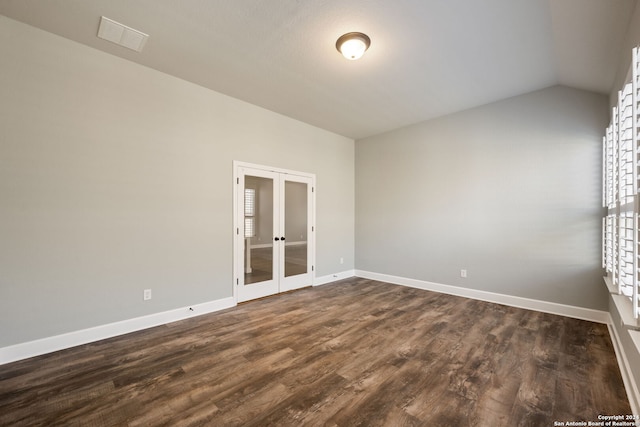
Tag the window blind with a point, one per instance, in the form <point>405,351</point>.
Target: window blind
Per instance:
<point>620,154</point>
<point>249,212</point>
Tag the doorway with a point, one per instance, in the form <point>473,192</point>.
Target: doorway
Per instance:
<point>274,244</point>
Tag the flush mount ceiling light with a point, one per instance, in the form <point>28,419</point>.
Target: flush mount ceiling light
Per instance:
<point>353,45</point>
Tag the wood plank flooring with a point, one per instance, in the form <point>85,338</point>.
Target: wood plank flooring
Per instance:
<point>354,353</point>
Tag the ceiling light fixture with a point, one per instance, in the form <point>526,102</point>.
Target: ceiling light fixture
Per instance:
<point>353,45</point>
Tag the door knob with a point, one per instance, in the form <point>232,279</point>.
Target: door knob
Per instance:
<point>276,239</point>
<point>282,238</point>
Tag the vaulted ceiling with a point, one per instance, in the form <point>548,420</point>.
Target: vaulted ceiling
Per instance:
<point>427,57</point>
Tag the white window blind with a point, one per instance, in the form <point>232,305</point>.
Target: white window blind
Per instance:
<point>609,224</point>
<point>626,265</point>
<point>249,212</point>
<point>609,165</point>
<point>634,99</point>
<point>626,147</point>
<point>620,151</point>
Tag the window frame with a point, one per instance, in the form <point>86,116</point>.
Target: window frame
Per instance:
<point>620,163</point>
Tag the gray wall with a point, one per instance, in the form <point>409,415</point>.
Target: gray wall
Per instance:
<point>115,178</point>
<point>509,191</point>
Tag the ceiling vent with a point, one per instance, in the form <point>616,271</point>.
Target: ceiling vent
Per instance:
<point>121,34</point>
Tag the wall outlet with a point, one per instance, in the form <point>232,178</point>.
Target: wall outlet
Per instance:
<point>463,273</point>
<point>341,260</point>
<point>147,294</point>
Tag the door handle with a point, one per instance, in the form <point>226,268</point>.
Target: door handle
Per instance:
<point>276,239</point>
<point>282,238</point>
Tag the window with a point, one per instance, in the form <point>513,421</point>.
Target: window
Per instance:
<point>620,173</point>
<point>249,212</point>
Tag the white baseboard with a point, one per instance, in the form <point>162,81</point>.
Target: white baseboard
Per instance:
<point>262,246</point>
<point>59,342</point>
<point>323,280</point>
<point>269,245</point>
<point>597,316</point>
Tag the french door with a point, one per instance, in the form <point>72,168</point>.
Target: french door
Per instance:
<point>274,231</point>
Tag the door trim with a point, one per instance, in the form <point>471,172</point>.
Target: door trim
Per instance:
<point>238,243</point>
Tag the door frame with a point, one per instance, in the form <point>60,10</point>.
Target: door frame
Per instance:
<point>238,239</point>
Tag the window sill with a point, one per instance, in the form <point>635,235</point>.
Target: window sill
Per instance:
<point>612,289</point>
<point>635,337</point>
<point>623,306</point>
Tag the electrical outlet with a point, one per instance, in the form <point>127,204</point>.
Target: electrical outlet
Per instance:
<point>463,273</point>
<point>147,294</point>
<point>341,260</point>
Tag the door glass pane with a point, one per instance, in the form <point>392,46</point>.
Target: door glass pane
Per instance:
<point>258,229</point>
<point>295,225</point>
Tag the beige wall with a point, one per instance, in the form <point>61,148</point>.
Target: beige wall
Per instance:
<point>509,191</point>
<point>115,178</point>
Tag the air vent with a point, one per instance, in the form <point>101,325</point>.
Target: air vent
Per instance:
<point>120,34</point>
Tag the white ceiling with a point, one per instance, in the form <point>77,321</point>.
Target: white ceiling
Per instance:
<point>427,57</point>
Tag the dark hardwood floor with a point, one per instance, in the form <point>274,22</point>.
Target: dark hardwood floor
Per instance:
<point>354,353</point>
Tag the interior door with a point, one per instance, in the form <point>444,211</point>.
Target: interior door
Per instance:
<point>274,244</point>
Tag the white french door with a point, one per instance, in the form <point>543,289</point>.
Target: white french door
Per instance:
<point>274,231</point>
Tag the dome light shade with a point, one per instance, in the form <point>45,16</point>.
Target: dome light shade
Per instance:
<point>353,45</point>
